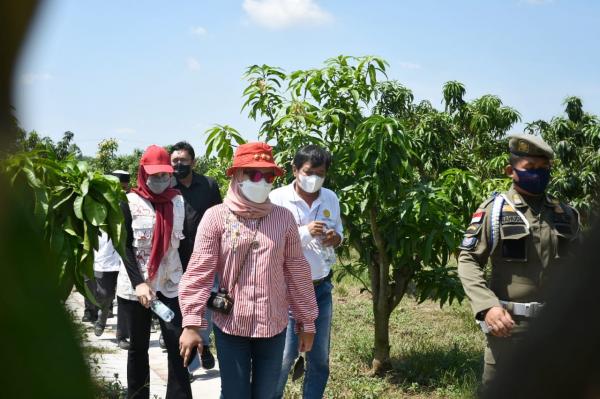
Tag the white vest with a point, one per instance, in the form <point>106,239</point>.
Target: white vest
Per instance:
<point>170,270</point>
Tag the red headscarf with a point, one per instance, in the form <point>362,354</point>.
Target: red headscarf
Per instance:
<point>163,228</point>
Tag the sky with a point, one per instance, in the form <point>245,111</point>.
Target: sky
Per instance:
<point>156,72</point>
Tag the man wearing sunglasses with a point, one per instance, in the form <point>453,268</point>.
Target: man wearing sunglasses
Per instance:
<point>317,213</point>
<point>199,193</point>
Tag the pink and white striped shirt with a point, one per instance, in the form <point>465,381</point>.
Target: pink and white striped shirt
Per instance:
<point>275,277</point>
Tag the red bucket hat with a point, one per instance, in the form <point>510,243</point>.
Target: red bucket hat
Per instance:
<point>156,160</point>
<point>254,155</point>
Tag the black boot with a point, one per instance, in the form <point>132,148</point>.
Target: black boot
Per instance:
<point>100,323</point>
<point>124,344</point>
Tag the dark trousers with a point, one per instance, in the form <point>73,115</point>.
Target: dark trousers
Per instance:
<point>106,286</point>
<point>89,305</point>
<point>138,369</point>
<point>249,367</point>
<point>103,286</point>
<point>122,319</point>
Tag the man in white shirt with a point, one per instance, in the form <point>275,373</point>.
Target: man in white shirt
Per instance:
<point>317,214</point>
<point>107,262</point>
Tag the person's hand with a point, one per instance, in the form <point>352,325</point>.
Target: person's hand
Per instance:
<point>144,294</point>
<point>189,339</point>
<point>316,228</point>
<point>331,239</point>
<point>499,321</point>
<point>305,341</point>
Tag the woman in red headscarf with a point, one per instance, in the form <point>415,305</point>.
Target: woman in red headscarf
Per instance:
<point>152,270</point>
<point>254,248</point>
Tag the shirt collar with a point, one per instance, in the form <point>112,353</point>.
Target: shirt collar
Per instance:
<point>520,202</point>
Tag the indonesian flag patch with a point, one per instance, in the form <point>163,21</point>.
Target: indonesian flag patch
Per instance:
<point>477,217</point>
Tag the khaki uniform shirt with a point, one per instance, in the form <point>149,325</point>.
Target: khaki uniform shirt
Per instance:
<point>524,258</point>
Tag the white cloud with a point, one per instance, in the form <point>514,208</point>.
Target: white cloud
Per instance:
<point>31,78</point>
<point>280,14</point>
<point>193,64</point>
<point>125,130</point>
<point>409,65</point>
<point>198,31</point>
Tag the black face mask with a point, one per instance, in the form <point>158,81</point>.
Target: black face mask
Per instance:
<point>181,171</point>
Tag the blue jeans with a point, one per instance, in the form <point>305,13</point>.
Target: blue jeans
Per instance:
<point>249,366</point>
<point>317,360</point>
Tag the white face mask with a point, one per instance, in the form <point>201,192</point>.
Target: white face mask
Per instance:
<point>256,191</point>
<point>310,184</point>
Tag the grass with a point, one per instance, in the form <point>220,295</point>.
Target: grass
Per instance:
<point>435,353</point>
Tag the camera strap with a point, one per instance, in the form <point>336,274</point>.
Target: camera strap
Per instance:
<point>250,246</point>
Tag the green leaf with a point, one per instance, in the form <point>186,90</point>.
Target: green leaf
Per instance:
<point>66,278</point>
<point>31,178</point>
<point>372,75</point>
<point>65,197</point>
<point>94,211</point>
<point>78,207</point>
<point>41,206</point>
<point>69,227</point>
<point>335,119</point>
<point>116,231</point>
<point>57,240</point>
<point>85,187</point>
<point>103,190</point>
<point>83,166</point>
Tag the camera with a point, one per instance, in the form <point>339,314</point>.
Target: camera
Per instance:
<point>220,301</point>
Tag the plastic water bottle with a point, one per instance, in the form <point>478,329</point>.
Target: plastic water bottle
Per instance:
<point>328,255</point>
<point>162,310</point>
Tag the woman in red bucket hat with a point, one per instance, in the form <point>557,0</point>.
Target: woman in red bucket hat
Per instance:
<point>254,248</point>
<point>151,272</point>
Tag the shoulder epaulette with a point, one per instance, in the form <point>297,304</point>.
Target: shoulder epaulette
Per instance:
<point>489,200</point>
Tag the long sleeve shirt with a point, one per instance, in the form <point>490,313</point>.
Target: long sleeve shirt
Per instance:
<point>131,265</point>
<point>326,208</point>
<point>273,274</point>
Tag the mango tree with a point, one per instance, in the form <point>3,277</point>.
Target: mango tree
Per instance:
<point>576,169</point>
<point>70,205</point>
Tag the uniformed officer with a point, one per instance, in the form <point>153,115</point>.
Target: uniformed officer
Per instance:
<point>527,235</point>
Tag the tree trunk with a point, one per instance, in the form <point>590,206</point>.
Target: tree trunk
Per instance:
<point>380,272</point>
<point>381,360</point>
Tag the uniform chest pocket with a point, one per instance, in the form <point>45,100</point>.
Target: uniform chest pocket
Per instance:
<point>563,234</point>
<point>514,242</point>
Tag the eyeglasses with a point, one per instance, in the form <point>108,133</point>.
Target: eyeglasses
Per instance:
<point>256,175</point>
